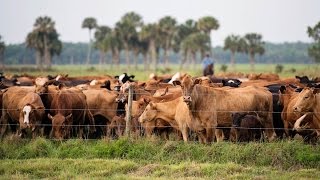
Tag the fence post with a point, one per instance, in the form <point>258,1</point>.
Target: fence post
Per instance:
<point>128,111</point>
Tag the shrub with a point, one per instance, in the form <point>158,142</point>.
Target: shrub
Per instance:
<point>279,68</point>
<point>223,67</point>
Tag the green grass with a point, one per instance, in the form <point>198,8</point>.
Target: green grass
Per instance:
<point>83,70</point>
<point>75,158</point>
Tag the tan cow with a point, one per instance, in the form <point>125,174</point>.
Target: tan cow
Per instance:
<point>308,103</point>
<point>212,106</point>
<point>103,106</point>
<point>24,107</point>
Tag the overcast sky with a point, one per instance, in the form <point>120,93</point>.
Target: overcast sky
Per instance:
<point>276,20</point>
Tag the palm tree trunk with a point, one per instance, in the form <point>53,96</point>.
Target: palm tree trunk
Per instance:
<point>135,59</point>
<point>117,58</point>
<point>166,58</point>
<point>46,52</point>
<point>2,61</point>
<point>89,49</point>
<point>145,62</point>
<point>101,57</point>
<point>252,61</point>
<point>126,48</point>
<point>153,54</point>
<point>38,59</point>
<point>183,60</point>
<point>193,58</point>
<point>232,60</point>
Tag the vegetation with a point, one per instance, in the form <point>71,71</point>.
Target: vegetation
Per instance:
<point>253,46</point>
<point>234,43</point>
<point>45,40</point>
<point>314,50</point>
<point>89,23</point>
<point>74,158</point>
<point>2,48</point>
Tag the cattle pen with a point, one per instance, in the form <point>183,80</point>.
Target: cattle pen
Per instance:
<point>114,141</point>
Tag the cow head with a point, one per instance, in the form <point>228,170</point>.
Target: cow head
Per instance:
<point>306,100</point>
<point>231,82</point>
<point>149,113</point>
<point>28,116</point>
<point>237,118</point>
<point>61,125</point>
<point>187,84</point>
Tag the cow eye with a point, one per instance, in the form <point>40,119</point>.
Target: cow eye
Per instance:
<point>306,97</point>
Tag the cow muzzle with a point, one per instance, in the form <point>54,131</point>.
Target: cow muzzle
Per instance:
<point>187,99</point>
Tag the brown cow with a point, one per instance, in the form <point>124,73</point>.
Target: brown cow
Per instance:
<point>247,126</point>
<point>307,103</point>
<point>212,106</point>
<point>103,106</point>
<point>288,98</point>
<point>68,113</point>
<point>20,106</point>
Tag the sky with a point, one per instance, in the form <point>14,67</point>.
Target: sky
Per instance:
<point>277,20</point>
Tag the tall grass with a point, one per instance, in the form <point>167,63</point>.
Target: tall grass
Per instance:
<point>283,154</point>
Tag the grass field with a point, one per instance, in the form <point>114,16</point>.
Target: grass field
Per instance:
<point>289,70</point>
<point>145,159</point>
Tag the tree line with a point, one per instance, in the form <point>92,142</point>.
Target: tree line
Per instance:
<point>165,40</point>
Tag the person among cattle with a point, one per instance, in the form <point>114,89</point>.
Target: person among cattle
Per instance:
<point>208,65</point>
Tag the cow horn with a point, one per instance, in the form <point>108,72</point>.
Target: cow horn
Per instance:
<point>296,125</point>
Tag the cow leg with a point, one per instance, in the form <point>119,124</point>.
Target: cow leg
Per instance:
<point>184,131</point>
<point>3,123</point>
<point>219,135</point>
<point>210,133</point>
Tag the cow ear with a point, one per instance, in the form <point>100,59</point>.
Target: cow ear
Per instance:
<point>282,89</point>
<point>69,118</point>
<point>117,77</point>
<point>153,105</point>
<point>107,85</point>
<point>223,82</point>
<point>50,117</point>
<point>316,90</point>
<point>197,81</point>
<point>132,76</point>
<point>176,83</point>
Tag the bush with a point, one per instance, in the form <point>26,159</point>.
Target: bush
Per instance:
<point>279,68</point>
<point>223,67</point>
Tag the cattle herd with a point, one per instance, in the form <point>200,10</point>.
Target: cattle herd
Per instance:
<point>254,107</point>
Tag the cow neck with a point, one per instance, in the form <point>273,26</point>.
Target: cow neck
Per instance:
<point>166,113</point>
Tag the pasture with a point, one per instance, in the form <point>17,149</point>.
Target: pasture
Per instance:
<point>142,158</point>
<point>289,70</point>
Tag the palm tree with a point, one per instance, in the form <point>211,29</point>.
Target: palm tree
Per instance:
<point>127,28</point>
<point>314,49</point>
<point>207,24</point>
<point>45,40</point>
<point>45,27</point>
<point>113,42</point>
<point>150,33</point>
<point>254,45</point>
<point>234,43</point>
<point>196,42</point>
<point>100,35</point>
<point>167,28</point>
<point>89,23</point>
<point>2,49</point>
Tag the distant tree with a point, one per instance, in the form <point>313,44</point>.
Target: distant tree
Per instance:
<point>45,39</point>
<point>2,49</point>
<point>314,49</point>
<point>89,23</point>
<point>234,43</point>
<point>101,33</point>
<point>196,42</point>
<point>113,41</point>
<point>207,24</point>
<point>254,45</point>
<point>150,34</point>
<point>167,30</point>
<point>127,29</point>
